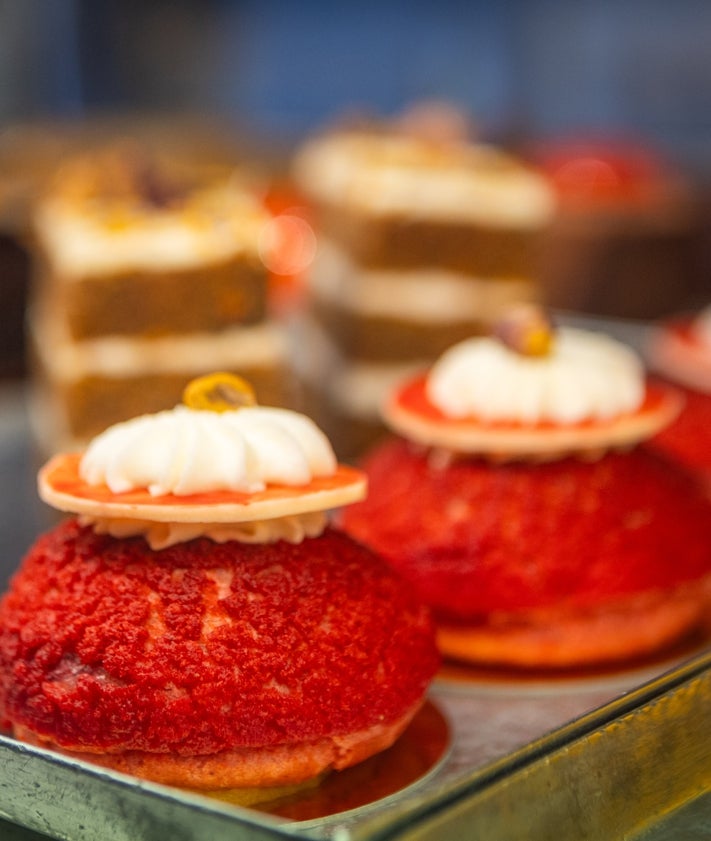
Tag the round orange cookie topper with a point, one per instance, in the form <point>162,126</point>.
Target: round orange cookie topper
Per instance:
<point>411,413</point>
<point>61,484</point>
<point>527,331</point>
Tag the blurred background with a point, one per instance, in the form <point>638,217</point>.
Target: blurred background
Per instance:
<point>281,68</point>
<point>274,71</point>
<point>255,78</point>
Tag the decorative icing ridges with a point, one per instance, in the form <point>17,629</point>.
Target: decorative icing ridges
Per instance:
<point>211,468</point>
<point>530,392</point>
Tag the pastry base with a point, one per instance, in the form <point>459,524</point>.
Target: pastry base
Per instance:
<point>631,629</point>
<point>280,765</point>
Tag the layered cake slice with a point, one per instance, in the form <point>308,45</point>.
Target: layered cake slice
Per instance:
<point>147,276</point>
<point>422,242</point>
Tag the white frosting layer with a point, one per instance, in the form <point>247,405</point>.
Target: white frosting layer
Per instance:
<point>186,451</point>
<point>292,529</point>
<point>361,387</point>
<point>356,388</point>
<point>81,244</point>
<point>404,176</point>
<point>587,376</point>
<point>425,296</point>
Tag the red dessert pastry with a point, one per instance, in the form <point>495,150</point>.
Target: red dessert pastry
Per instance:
<point>211,666</point>
<point>225,651</point>
<point>534,554</point>
<point>550,564</point>
<point>680,351</point>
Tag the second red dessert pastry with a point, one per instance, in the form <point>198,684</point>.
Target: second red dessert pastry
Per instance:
<point>521,504</point>
<point>680,351</point>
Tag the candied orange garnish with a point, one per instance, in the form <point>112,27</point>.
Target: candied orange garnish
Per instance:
<point>219,392</point>
<point>526,329</point>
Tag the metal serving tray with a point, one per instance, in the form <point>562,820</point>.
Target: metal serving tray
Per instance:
<point>524,763</point>
<point>597,756</point>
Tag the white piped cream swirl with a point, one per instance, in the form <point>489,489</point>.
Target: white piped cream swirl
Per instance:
<point>587,376</point>
<point>187,451</point>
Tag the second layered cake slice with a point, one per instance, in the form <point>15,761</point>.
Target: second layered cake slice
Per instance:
<point>421,243</point>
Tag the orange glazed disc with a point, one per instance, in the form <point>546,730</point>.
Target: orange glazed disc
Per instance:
<point>61,485</point>
<point>410,413</point>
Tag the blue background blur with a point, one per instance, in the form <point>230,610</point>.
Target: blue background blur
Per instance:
<point>281,68</point>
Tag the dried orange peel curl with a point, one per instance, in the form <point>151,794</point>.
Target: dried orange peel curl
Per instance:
<point>527,330</point>
<point>220,392</point>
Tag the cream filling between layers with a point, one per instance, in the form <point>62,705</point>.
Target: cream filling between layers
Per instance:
<point>397,175</point>
<point>357,389</point>
<point>292,529</point>
<point>427,295</point>
<point>361,389</point>
<point>118,356</point>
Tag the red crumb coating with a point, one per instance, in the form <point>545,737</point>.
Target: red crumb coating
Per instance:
<point>205,647</point>
<point>688,439</point>
<point>476,538</point>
